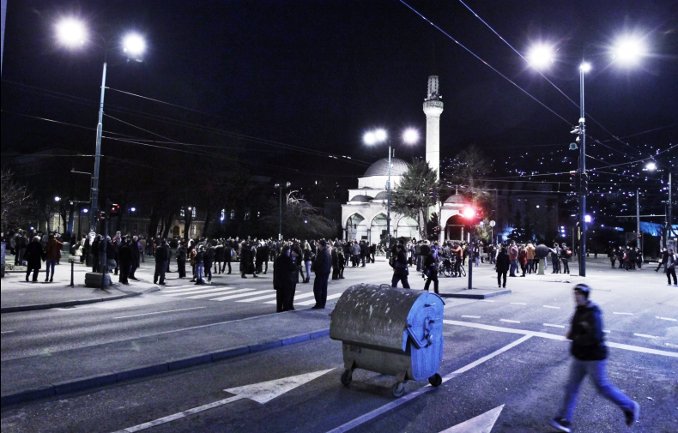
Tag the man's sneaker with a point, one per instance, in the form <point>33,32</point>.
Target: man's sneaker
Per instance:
<point>632,415</point>
<point>561,424</point>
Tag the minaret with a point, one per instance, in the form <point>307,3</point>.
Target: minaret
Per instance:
<point>433,107</point>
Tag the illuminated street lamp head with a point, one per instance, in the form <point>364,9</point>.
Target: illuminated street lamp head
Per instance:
<point>134,46</point>
<point>375,136</point>
<point>628,50</point>
<point>71,32</point>
<point>57,198</point>
<point>651,166</point>
<point>410,136</point>
<point>585,67</point>
<point>540,56</point>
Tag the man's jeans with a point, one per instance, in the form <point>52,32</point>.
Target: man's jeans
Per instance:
<point>597,371</point>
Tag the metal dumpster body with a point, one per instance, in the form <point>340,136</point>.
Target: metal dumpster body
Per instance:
<point>390,330</point>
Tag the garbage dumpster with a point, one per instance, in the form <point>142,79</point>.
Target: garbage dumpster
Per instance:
<point>390,330</point>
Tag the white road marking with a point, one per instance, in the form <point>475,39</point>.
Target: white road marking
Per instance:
<point>411,396</point>
<point>248,292</point>
<point>553,307</point>
<point>191,288</point>
<point>296,297</point>
<point>518,303</point>
<point>487,300</point>
<point>675,346</point>
<point>553,325</point>
<point>666,318</point>
<point>312,301</point>
<point>259,298</point>
<point>159,312</point>
<point>622,313</point>
<point>212,293</point>
<point>7,332</point>
<point>198,290</point>
<point>653,337</point>
<point>466,316</point>
<point>558,337</point>
<point>509,321</point>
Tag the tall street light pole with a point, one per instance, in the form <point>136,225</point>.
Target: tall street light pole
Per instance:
<point>370,138</point>
<point>626,51</point>
<point>280,194</point>
<point>584,67</point>
<point>94,193</point>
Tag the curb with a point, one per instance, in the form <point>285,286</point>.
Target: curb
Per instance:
<point>152,370</point>
<point>72,303</point>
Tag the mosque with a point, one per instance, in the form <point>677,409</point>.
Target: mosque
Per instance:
<point>364,216</point>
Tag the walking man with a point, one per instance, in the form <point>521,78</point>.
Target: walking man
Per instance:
<point>399,266</point>
<point>670,264</point>
<point>590,358</point>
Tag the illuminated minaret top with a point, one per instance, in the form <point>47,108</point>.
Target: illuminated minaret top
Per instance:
<point>433,107</point>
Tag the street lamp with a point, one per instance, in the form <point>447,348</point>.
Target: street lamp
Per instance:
<point>380,135</point>
<point>73,33</point>
<point>626,51</point>
<point>280,187</point>
<point>57,200</point>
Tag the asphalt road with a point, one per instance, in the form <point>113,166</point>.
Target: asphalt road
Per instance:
<point>504,366</point>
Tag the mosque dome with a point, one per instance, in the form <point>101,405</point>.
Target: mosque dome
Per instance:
<point>383,195</point>
<point>456,199</point>
<point>380,168</point>
<point>361,198</point>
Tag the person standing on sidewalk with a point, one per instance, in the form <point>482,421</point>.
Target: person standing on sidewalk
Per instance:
<point>33,256</point>
<point>671,260</point>
<point>503,263</point>
<point>52,254</point>
<point>399,264</point>
<point>322,266</point>
<point>590,358</point>
<point>161,257</point>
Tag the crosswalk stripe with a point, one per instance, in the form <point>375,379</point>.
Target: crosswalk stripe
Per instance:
<point>259,298</point>
<point>312,301</point>
<point>296,297</point>
<point>239,295</point>
<point>202,289</point>
<point>217,293</point>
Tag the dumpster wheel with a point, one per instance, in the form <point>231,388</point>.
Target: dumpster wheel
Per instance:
<point>347,377</point>
<point>435,380</point>
<point>398,389</point>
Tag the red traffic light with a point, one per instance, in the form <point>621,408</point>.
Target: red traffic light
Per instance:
<point>469,213</point>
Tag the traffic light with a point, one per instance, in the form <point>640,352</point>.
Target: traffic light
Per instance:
<point>472,215</point>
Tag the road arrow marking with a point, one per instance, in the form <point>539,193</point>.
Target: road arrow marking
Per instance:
<point>482,423</point>
<point>261,392</point>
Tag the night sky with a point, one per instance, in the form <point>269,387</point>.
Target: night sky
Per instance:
<point>288,87</point>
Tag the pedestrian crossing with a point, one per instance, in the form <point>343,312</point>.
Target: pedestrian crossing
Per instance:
<point>239,294</point>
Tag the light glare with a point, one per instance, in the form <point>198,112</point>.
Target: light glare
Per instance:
<point>134,45</point>
<point>71,32</point>
<point>628,50</point>
<point>585,67</point>
<point>410,136</point>
<point>541,56</point>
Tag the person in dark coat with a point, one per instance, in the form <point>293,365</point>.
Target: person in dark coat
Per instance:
<point>96,266</point>
<point>136,257</point>
<point>162,254</point>
<point>431,269</point>
<point>399,265</point>
<point>284,280</point>
<point>322,266</point>
<point>182,254</point>
<point>124,260</point>
<point>247,252</point>
<point>502,266</point>
<point>590,359</point>
<point>33,257</point>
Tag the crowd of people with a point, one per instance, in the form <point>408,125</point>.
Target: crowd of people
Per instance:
<point>297,259</point>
